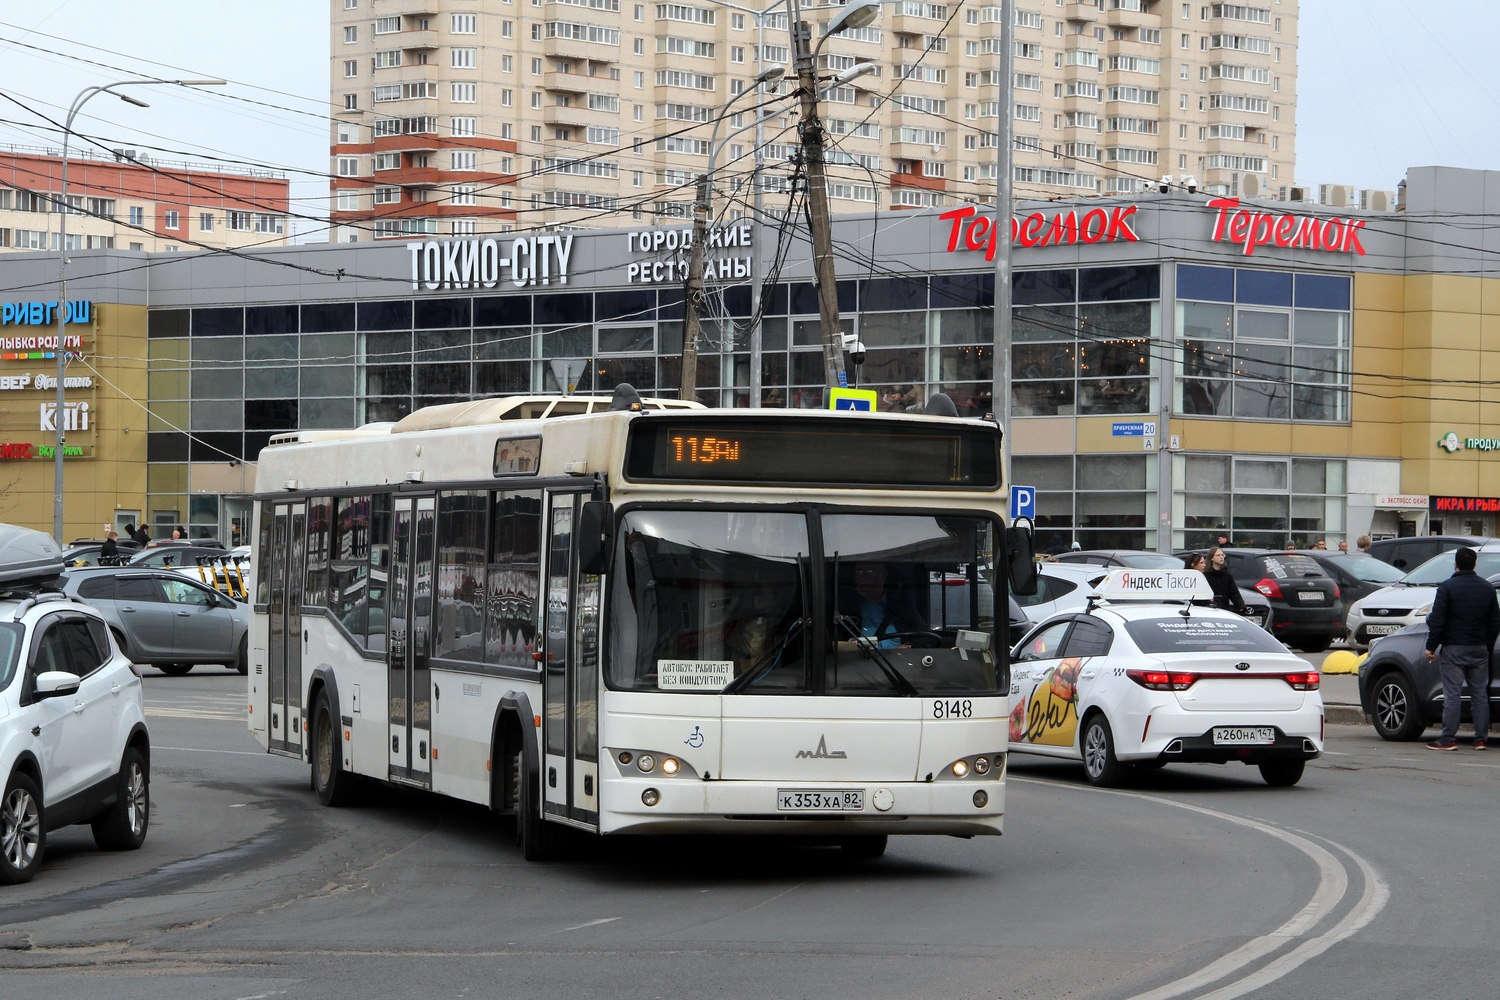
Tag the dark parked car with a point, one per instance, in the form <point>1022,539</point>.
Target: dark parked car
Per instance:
<point>1305,607</point>
<point>163,618</point>
<point>1257,607</point>
<point>1400,688</point>
<point>85,552</point>
<point>1409,553</point>
<point>1357,574</point>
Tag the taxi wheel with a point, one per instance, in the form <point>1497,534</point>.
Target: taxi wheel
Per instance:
<point>1282,773</point>
<point>1100,765</point>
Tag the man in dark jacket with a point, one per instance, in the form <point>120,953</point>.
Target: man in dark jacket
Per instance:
<point>1464,622</point>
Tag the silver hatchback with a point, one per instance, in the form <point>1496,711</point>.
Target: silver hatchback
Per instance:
<point>164,619</point>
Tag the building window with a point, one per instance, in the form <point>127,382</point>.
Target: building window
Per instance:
<point>464,127</point>
<point>237,221</point>
<point>461,195</point>
<point>347,201</point>
<point>465,24</point>
<point>351,35</point>
<point>173,220</point>
<point>137,215</point>
<point>1262,501</point>
<point>387,161</point>
<point>1100,501</point>
<point>351,68</point>
<point>351,102</point>
<point>206,222</point>
<point>507,65</point>
<point>387,195</point>
<point>348,166</point>
<point>507,29</point>
<point>465,58</point>
<point>465,93</point>
<point>465,227</point>
<point>463,159</point>
<point>1267,345</point>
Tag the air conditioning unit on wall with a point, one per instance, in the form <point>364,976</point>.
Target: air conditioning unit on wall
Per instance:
<point>1337,195</point>
<point>1377,201</point>
<point>1296,193</point>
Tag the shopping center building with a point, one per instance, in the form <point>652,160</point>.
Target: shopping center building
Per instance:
<point>1182,364</point>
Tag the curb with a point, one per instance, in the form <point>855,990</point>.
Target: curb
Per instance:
<point>1344,715</point>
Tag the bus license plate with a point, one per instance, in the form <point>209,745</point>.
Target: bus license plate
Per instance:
<point>1243,735</point>
<point>820,800</point>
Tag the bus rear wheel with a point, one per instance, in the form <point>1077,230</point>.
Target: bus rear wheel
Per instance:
<point>537,839</point>
<point>333,785</point>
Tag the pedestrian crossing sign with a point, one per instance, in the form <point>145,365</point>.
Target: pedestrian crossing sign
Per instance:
<point>862,400</point>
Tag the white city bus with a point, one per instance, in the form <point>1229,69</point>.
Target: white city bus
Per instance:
<point>655,618</point>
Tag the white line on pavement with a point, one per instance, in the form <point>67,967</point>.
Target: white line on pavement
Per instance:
<point>237,753</point>
<point>592,923</point>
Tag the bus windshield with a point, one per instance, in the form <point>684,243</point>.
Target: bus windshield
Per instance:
<point>736,601</point>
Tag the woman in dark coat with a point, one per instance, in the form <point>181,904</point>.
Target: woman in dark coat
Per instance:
<point>1226,591</point>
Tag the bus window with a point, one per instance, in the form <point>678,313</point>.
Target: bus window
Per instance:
<point>461,550</point>
<point>513,580</point>
<point>703,598</point>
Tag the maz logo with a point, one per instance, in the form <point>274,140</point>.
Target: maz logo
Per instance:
<point>822,752</point>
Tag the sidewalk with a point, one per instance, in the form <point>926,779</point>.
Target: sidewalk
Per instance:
<point>1341,700</point>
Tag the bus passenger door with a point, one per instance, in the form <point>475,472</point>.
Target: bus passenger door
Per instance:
<point>284,652</point>
<point>570,646</point>
<point>409,645</point>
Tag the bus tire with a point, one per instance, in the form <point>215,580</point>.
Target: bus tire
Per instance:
<point>334,786</point>
<point>537,839</point>
<point>863,848</point>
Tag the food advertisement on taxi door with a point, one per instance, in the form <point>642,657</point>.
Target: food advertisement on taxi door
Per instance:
<point>1047,713</point>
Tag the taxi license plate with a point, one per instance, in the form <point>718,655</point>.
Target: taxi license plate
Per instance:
<point>1381,629</point>
<point>820,800</point>
<point>1309,595</point>
<point>1244,735</point>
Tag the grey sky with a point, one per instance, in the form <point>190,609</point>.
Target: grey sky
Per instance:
<point>1384,84</point>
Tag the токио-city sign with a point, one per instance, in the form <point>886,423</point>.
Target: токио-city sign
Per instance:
<point>476,263</point>
<point>43,314</point>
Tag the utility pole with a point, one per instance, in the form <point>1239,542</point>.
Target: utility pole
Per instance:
<point>693,294</point>
<point>1001,390</point>
<point>810,129</point>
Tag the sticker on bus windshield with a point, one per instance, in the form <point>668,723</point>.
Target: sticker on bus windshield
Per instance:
<point>693,675</point>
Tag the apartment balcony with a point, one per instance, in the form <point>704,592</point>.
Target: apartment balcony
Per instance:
<point>419,41</point>
<point>578,117</point>
<point>581,49</point>
<point>1124,17</point>
<point>420,142</point>
<point>578,83</point>
<point>1081,10</point>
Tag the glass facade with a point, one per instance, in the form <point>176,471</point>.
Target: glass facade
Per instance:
<point>1263,501</point>
<point>1100,501</point>
<point>1262,345</point>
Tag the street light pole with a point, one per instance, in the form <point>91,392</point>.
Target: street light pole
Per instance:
<point>855,14</point>
<point>59,418</point>
<point>1004,155</point>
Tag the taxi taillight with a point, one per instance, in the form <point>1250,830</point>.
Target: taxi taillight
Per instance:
<point>1164,680</point>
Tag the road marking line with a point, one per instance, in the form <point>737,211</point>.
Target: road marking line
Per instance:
<point>592,923</point>
<point>1479,765</point>
<point>1333,883</point>
<point>237,753</point>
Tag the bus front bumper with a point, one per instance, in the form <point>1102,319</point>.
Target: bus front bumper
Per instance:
<point>967,807</point>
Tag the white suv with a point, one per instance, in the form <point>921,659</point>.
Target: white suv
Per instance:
<point>73,741</point>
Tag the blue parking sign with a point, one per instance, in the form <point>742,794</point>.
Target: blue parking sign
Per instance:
<point>1023,502</point>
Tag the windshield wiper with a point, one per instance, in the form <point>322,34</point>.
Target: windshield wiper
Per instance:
<point>771,661</point>
<point>872,647</point>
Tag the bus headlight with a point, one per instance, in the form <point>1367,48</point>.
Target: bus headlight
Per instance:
<point>981,765</point>
<point>626,757</point>
<point>646,763</point>
<point>960,768</point>
<point>981,799</point>
<point>669,766</point>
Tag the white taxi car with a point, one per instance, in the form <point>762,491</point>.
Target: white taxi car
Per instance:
<point>1150,674</point>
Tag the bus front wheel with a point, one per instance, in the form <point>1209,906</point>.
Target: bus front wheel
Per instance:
<point>537,839</point>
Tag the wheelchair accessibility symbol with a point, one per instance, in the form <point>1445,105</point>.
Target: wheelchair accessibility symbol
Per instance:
<point>696,739</point>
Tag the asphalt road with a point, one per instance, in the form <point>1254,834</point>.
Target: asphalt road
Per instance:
<point>1196,881</point>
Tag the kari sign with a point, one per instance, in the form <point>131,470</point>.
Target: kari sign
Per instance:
<point>1251,228</point>
<point>972,231</point>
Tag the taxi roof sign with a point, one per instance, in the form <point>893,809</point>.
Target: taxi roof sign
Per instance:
<point>1154,585</point>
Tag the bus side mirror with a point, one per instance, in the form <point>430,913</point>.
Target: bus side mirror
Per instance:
<point>1021,555</point>
<point>595,535</point>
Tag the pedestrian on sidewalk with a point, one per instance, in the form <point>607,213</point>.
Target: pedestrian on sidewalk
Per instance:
<point>1461,631</point>
<point>1221,582</point>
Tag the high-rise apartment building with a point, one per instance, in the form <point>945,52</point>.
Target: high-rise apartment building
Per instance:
<point>463,116</point>
<point>130,202</point>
